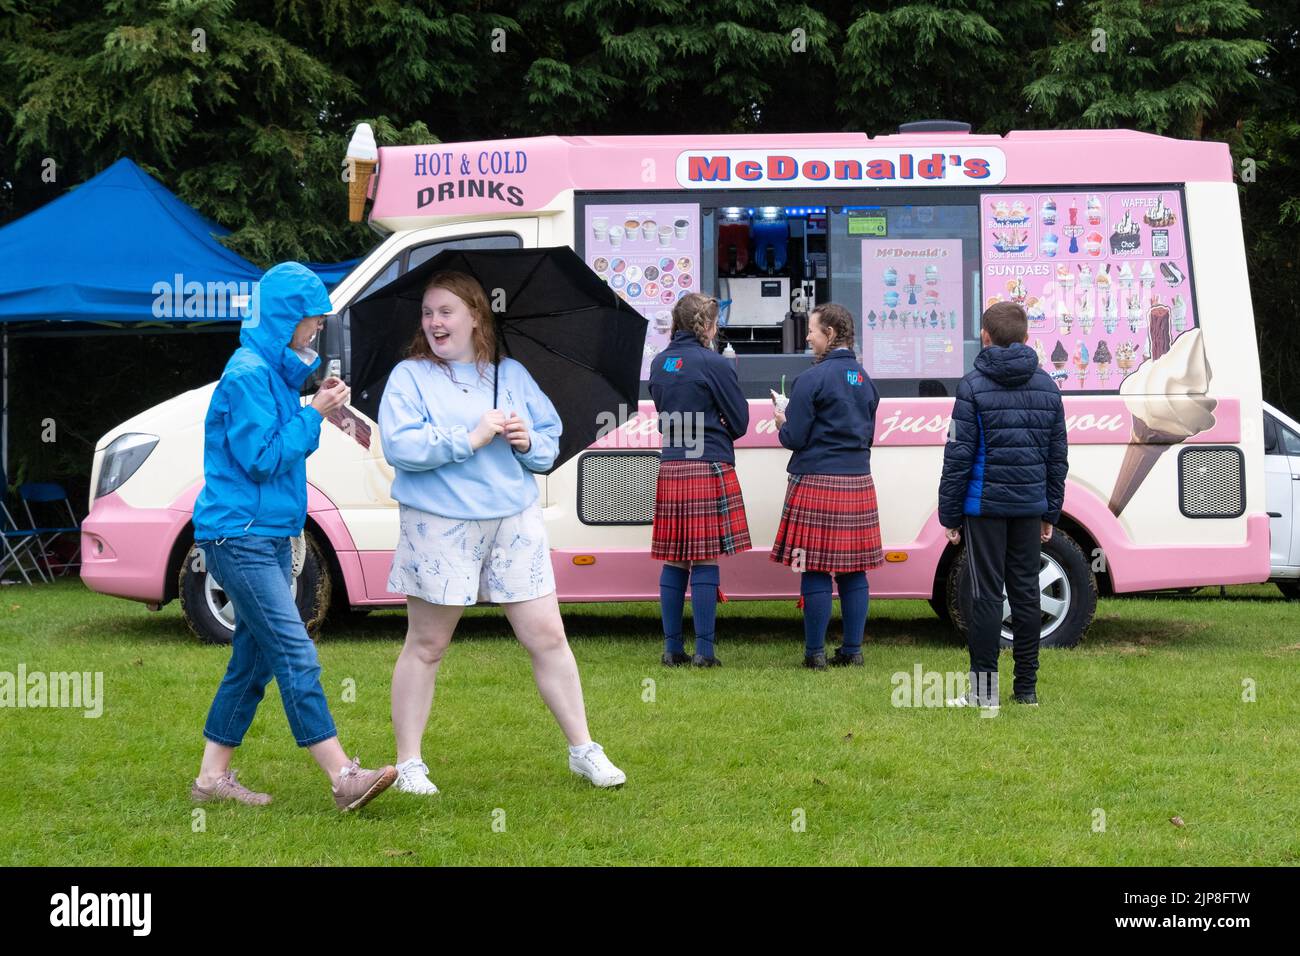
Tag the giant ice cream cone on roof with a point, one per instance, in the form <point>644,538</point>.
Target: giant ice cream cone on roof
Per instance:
<point>1167,398</point>
<point>363,156</point>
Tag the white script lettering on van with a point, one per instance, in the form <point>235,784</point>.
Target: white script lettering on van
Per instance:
<point>938,424</point>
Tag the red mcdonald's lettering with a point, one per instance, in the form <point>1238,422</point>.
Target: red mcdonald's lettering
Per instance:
<point>931,168</point>
<point>699,169</point>
<point>782,167</point>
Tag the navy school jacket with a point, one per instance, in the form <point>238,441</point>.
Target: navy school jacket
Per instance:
<point>831,418</point>
<point>1006,455</point>
<point>694,388</point>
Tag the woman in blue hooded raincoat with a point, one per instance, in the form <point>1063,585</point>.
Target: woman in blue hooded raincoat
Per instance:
<point>257,436</point>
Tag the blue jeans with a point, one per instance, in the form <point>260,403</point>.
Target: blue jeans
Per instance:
<point>270,640</point>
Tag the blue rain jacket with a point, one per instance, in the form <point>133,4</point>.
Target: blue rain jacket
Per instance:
<point>257,433</point>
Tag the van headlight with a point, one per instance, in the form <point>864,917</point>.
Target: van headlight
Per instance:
<point>121,459</point>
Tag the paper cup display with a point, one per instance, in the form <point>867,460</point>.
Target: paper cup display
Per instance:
<point>647,257</point>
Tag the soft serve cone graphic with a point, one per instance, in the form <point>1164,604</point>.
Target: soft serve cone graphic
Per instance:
<point>1167,398</point>
<point>362,157</point>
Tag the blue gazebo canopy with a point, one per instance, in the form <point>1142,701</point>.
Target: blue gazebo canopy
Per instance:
<point>97,253</point>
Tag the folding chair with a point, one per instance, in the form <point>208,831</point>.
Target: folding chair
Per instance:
<point>47,496</point>
<point>18,542</point>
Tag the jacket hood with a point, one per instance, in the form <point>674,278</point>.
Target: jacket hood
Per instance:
<point>1011,366</point>
<point>286,294</point>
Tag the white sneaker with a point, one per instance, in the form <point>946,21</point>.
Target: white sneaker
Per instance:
<point>595,766</point>
<point>965,701</point>
<point>413,777</point>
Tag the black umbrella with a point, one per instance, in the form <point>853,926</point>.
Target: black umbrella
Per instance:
<point>580,341</point>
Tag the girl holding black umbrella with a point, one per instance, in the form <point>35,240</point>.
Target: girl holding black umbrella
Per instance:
<point>471,526</point>
<point>829,524</point>
<point>699,511</point>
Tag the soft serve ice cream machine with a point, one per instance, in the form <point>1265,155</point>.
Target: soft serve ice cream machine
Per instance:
<point>769,294</point>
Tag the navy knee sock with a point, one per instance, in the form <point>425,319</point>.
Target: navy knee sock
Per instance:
<point>815,586</point>
<point>704,605</point>
<point>672,600</point>
<point>854,597</point>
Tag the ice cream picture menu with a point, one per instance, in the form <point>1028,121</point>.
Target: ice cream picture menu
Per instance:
<point>650,257</point>
<point>1100,274</point>
<point>911,308</point>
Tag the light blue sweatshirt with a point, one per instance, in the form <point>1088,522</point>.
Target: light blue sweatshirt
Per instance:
<point>424,422</point>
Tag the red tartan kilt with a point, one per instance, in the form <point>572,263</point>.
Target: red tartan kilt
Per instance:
<point>699,512</point>
<point>833,520</point>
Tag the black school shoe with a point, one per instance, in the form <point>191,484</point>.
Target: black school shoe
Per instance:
<point>675,659</point>
<point>699,660</point>
<point>815,662</point>
<point>1030,699</point>
<point>840,659</point>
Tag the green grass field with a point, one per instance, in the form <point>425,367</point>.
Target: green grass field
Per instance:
<point>1144,722</point>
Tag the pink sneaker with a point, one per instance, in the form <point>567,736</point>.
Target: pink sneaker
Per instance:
<point>357,787</point>
<point>228,787</point>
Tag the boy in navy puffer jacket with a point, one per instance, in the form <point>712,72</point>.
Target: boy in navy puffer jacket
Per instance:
<point>1003,484</point>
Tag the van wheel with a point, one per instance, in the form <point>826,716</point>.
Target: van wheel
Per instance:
<point>940,607</point>
<point>211,615</point>
<point>1068,593</point>
<point>1290,590</point>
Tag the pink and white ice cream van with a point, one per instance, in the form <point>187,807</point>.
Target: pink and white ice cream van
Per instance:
<point>1125,249</point>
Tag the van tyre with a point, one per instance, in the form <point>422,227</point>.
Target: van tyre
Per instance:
<point>1290,590</point>
<point>940,607</point>
<point>1069,594</point>
<point>210,615</point>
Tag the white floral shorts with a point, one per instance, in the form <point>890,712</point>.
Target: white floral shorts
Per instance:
<point>461,561</point>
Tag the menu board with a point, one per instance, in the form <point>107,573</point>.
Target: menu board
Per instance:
<point>911,308</point>
<point>1102,276</point>
<point>649,255</point>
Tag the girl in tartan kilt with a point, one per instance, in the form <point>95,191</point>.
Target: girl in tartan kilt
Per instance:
<point>699,511</point>
<point>829,524</point>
